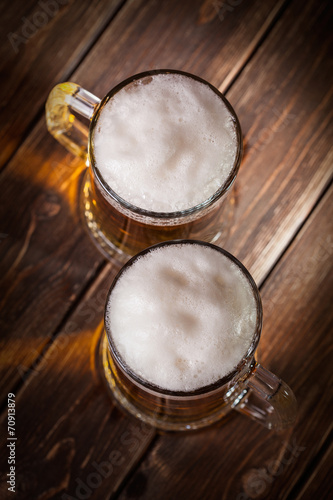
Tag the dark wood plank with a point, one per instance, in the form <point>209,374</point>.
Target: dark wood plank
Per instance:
<point>64,446</point>
<point>321,479</point>
<point>284,101</point>
<point>188,35</point>
<point>46,258</point>
<point>41,44</point>
<point>68,430</point>
<point>64,364</point>
<point>240,459</point>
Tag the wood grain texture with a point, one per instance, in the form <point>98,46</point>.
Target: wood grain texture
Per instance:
<point>71,437</point>
<point>46,258</point>
<point>322,475</point>
<point>284,102</point>
<point>240,459</point>
<point>178,35</point>
<point>41,43</point>
<point>67,423</point>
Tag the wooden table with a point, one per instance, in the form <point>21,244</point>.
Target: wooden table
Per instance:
<point>272,60</point>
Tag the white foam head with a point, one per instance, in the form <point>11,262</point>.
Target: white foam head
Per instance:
<point>182,316</point>
<point>165,143</point>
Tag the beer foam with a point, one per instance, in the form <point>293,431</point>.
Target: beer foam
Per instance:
<point>165,143</point>
<point>182,316</point>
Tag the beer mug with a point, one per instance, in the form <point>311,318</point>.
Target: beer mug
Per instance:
<point>162,149</point>
<point>182,324</point>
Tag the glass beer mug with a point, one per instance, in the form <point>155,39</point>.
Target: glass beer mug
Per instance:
<point>182,323</point>
<point>119,226</point>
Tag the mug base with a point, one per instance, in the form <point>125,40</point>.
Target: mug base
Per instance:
<point>154,419</point>
<point>116,242</point>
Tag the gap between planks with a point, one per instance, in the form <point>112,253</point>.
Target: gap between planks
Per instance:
<point>71,310</point>
<point>300,487</point>
<point>311,214</point>
<point>257,42</point>
<point>225,86</point>
<point>312,466</point>
<point>67,75</point>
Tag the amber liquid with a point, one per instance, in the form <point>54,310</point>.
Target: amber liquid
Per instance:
<point>161,410</point>
<point>116,232</point>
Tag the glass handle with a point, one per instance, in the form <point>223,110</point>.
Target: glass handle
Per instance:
<point>268,400</point>
<point>65,102</point>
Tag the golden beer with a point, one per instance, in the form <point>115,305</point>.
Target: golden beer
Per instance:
<point>182,323</point>
<point>117,233</point>
<point>119,226</point>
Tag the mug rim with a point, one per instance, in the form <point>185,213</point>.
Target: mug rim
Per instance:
<point>204,390</point>
<point>150,213</point>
